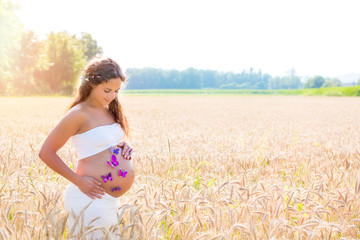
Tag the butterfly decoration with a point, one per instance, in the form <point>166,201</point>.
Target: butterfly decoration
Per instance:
<point>116,189</point>
<point>115,151</point>
<point>122,173</point>
<point>106,177</point>
<point>113,162</point>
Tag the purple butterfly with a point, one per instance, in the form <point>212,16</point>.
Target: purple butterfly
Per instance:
<point>115,151</point>
<point>107,178</point>
<point>116,189</point>
<point>113,162</point>
<point>122,173</point>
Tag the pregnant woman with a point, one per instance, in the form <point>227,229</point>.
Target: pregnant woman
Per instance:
<point>96,124</point>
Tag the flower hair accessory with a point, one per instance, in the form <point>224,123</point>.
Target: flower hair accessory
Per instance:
<point>84,78</point>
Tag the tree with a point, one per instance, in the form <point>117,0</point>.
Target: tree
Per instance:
<point>191,79</point>
<point>10,36</point>
<point>292,81</point>
<point>170,79</point>
<point>65,53</point>
<point>275,82</point>
<point>91,47</point>
<point>358,82</point>
<point>137,81</point>
<point>28,65</point>
<point>28,60</point>
<point>331,82</point>
<point>314,82</point>
<point>209,78</point>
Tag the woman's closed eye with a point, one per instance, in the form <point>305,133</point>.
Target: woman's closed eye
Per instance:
<point>109,91</point>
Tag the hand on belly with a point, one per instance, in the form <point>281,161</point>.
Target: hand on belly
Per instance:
<point>115,173</point>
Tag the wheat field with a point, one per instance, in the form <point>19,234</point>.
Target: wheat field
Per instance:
<point>208,167</point>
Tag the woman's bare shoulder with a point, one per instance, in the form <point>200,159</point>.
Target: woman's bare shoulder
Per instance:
<point>77,111</point>
<point>65,128</point>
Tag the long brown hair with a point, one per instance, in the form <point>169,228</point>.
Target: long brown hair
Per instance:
<point>97,71</point>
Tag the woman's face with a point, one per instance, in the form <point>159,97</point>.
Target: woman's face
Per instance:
<point>105,92</point>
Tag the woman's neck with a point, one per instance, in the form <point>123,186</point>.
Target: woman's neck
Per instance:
<point>94,104</point>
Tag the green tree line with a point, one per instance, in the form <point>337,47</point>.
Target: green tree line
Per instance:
<point>53,65</point>
<point>151,78</point>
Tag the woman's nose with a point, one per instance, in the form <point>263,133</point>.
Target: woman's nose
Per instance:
<point>113,95</point>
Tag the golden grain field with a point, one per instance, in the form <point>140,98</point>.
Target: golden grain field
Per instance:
<point>208,167</point>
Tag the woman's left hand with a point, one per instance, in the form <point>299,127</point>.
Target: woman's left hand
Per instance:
<point>126,150</point>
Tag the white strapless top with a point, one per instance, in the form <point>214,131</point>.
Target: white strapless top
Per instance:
<point>97,139</point>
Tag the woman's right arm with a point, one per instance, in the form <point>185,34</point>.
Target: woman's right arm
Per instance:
<point>67,127</point>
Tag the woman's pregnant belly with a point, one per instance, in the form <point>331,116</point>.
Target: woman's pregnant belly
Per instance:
<point>96,166</point>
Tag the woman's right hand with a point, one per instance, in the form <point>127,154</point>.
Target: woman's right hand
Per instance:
<point>91,187</point>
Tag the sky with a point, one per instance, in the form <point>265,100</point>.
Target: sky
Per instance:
<point>314,37</point>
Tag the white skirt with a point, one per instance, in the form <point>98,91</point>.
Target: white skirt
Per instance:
<point>98,220</point>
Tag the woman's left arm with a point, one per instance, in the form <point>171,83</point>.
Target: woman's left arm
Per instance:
<point>126,150</point>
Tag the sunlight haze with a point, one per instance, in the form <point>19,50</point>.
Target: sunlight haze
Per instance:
<point>314,37</point>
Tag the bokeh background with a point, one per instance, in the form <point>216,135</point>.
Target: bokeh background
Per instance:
<point>244,117</point>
